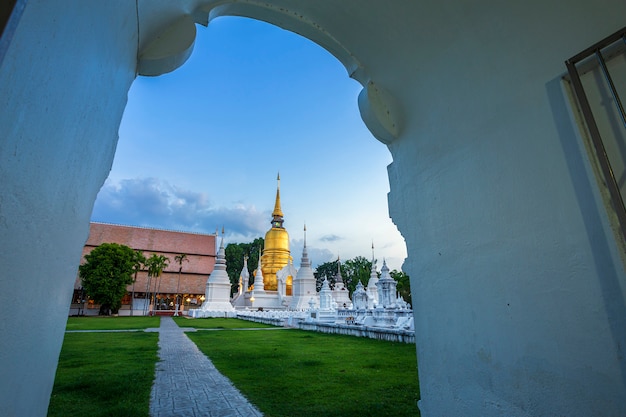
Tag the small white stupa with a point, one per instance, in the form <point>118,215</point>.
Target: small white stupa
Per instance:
<point>372,288</point>
<point>259,286</point>
<point>340,292</point>
<point>386,288</point>
<point>304,295</point>
<point>327,312</point>
<point>359,297</point>
<point>217,290</point>
<point>244,276</point>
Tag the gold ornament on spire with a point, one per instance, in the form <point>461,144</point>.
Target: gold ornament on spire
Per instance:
<point>277,210</point>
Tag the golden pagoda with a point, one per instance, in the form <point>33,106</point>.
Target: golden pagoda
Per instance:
<point>276,252</point>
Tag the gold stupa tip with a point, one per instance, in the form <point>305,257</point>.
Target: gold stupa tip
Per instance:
<point>277,210</point>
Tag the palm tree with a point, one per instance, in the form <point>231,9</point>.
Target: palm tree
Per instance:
<point>179,258</point>
<point>138,262</point>
<point>156,264</point>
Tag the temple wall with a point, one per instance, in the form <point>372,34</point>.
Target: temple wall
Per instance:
<point>518,285</point>
<point>63,85</point>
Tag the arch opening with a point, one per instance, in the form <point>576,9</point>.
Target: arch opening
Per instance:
<point>288,97</point>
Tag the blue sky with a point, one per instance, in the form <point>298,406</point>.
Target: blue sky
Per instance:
<point>200,148</point>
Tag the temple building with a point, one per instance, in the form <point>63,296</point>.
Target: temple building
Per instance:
<point>151,296</point>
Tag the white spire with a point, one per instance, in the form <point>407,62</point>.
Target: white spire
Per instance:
<point>259,286</point>
<point>245,275</point>
<point>220,261</point>
<point>305,256</point>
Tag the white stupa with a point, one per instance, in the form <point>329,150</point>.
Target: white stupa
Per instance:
<point>372,288</point>
<point>259,286</point>
<point>359,297</point>
<point>244,276</point>
<point>304,290</point>
<point>217,290</point>
<point>341,295</point>
<point>386,288</point>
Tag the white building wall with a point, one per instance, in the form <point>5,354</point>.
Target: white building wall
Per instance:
<point>63,85</point>
<point>518,286</point>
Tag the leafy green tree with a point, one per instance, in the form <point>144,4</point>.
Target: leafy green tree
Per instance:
<point>234,260</point>
<point>352,270</point>
<point>404,285</point>
<point>327,270</point>
<point>138,263</point>
<point>180,258</point>
<point>356,269</point>
<point>156,264</point>
<point>106,273</point>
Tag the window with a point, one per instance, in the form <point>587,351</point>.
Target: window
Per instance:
<point>598,80</point>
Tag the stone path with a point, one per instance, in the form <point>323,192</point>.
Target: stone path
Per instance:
<point>188,385</point>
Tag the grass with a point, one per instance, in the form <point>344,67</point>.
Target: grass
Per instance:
<point>111,323</point>
<point>104,374</point>
<point>299,373</point>
<point>219,323</point>
<point>283,372</point>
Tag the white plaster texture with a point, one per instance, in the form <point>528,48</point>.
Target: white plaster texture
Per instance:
<point>518,285</point>
<point>63,85</point>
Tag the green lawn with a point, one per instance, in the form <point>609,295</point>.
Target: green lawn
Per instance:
<point>219,323</point>
<point>283,372</point>
<point>104,375</point>
<point>299,373</point>
<point>112,323</point>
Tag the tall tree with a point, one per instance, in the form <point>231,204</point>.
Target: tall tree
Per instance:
<point>156,264</point>
<point>180,258</point>
<point>106,273</point>
<point>138,263</point>
<point>356,269</point>
<point>404,285</point>
<point>234,260</point>
<point>327,270</point>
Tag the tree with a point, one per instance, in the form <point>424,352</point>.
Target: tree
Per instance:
<point>352,271</point>
<point>156,264</point>
<point>106,273</point>
<point>138,263</point>
<point>234,260</point>
<point>404,285</point>
<point>356,269</point>
<point>327,270</point>
<point>180,258</point>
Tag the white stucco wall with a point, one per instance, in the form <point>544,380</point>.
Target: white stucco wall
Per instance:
<point>518,286</point>
<point>63,86</point>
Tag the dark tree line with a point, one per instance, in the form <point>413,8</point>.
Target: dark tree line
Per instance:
<point>234,260</point>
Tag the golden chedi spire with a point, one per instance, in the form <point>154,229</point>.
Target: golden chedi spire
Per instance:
<point>276,252</point>
<point>277,210</point>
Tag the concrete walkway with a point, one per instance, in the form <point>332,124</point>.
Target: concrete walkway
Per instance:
<point>188,385</point>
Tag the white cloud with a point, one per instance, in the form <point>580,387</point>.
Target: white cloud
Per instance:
<point>152,202</point>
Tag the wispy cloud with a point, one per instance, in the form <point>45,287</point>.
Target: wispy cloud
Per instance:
<point>151,202</point>
<point>330,238</point>
<point>317,256</point>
